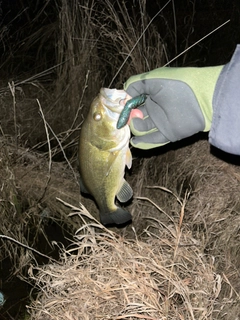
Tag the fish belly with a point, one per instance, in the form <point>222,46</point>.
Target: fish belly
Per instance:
<point>102,175</point>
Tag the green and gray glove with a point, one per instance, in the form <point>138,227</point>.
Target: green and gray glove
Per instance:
<point>179,104</point>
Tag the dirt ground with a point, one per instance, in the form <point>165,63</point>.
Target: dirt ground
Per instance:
<point>185,212</point>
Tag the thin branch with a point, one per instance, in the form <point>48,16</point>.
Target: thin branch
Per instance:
<point>155,205</point>
<point>80,102</point>
<point>49,149</point>
<point>63,152</point>
<point>12,89</point>
<point>2,236</point>
<point>166,190</point>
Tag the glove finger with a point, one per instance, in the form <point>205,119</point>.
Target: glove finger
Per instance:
<point>149,141</point>
<point>143,110</point>
<point>141,127</point>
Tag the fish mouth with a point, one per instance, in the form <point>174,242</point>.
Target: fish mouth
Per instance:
<point>111,99</point>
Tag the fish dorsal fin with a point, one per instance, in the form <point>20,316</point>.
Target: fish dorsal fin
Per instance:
<point>125,193</point>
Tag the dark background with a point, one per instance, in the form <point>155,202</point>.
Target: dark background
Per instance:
<point>28,31</point>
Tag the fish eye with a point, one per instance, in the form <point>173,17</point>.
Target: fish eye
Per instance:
<point>97,116</point>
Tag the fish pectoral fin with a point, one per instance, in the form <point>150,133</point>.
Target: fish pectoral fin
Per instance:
<point>113,157</point>
<point>129,159</point>
<point>125,193</point>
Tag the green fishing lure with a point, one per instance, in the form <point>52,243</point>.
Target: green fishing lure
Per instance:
<point>130,104</point>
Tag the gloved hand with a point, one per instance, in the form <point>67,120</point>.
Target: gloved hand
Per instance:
<point>179,104</point>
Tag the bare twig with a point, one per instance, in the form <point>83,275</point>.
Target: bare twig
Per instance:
<point>80,102</point>
<point>12,89</point>
<point>166,190</point>
<point>63,152</point>
<point>155,205</point>
<point>49,149</point>
<point>2,236</point>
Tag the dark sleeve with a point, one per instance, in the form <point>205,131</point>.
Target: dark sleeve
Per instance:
<point>225,129</point>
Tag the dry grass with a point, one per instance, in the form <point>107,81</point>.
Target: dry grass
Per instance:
<point>92,40</point>
<point>180,257</point>
<point>106,276</point>
<point>178,260</point>
<point>12,220</point>
<point>181,252</point>
<point>132,38</point>
<point>212,210</point>
<point>28,203</point>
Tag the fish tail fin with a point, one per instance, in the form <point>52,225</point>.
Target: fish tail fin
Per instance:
<point>118,218</point>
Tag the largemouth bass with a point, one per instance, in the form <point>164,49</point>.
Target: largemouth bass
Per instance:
<point>103,154</point>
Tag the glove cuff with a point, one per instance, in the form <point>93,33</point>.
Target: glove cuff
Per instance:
<point>225,130</point>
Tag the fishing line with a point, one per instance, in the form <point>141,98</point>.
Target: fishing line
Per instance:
<point>138,42</point>
<point>174,57</point>
<point>196,42</point>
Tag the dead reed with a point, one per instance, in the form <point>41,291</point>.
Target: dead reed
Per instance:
<point>106,276</point>
<point>180,258</point>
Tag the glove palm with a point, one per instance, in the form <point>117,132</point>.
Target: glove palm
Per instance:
<point>179,104</point>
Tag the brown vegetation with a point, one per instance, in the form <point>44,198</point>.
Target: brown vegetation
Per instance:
<point>179,259</point>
